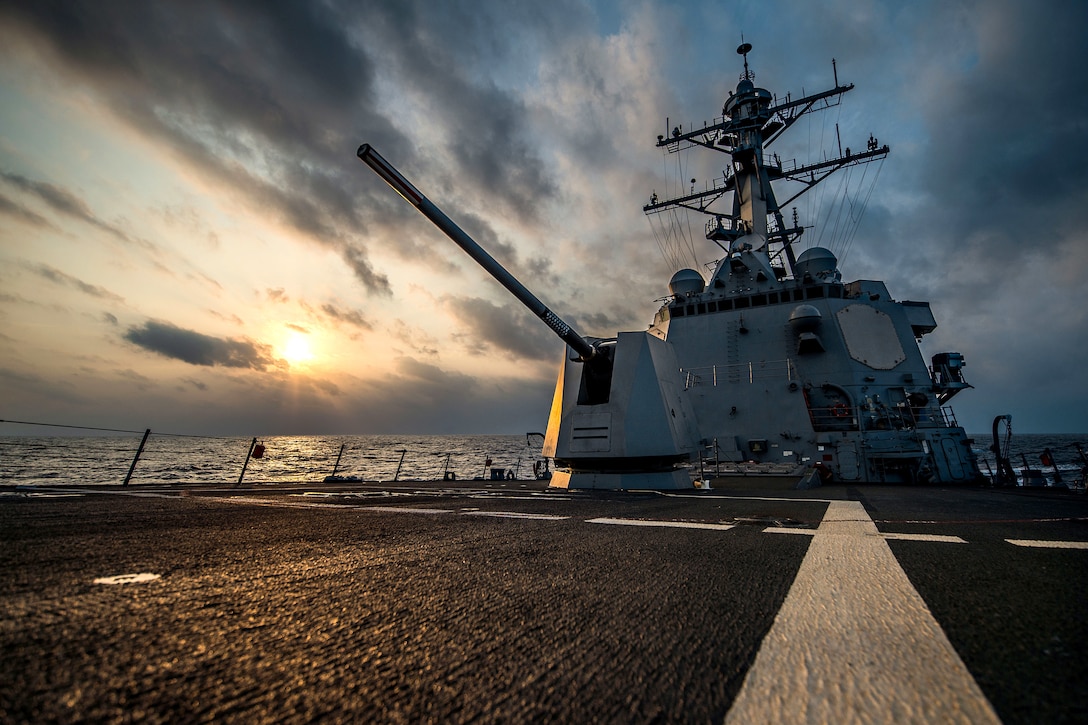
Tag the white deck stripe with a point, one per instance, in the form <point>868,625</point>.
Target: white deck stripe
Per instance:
<point>1043,544</point>
<point>515,515</point>
<point>278,503</point>
<point>939,538</point>
<point>661,524</point>
<point>854,642</point>
<point>404,510</point>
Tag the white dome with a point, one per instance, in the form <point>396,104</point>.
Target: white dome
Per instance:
<point>805,318</point>
<point>686,282</point>
<point>814,261</point>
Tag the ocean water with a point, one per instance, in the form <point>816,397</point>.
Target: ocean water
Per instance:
<point>97,460</point>
<point>1026,451</point>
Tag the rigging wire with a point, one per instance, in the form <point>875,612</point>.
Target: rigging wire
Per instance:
<point>683,237</point>
<point>852,215</point>
<point>864,205</point>
<point>673,230</point>
<point>661,234</point>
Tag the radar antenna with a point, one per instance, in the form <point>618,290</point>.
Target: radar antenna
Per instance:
<point>744,49</point>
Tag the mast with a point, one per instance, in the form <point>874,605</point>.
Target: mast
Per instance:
<point>750,122</point>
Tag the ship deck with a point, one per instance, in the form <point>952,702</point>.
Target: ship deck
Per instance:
<point>506,601</point>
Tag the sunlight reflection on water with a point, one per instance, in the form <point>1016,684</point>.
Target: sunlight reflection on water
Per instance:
<point>172,459</point>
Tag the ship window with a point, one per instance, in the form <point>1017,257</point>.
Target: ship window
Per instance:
<point>814,292</point>
<point>702,308</point>
<point>836,292</point>
<point>798,295</point>
<point>678,311</point>
<point>759,300</point>
<point>772,298</point>
<point>691,309</point>
<point>711,306</point>
<point>742,302</point>
<point>725,305</point>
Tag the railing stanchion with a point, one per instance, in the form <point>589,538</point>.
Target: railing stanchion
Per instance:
<point>336,466</point>
<point>136,458</point>
<point>245,465</point>
<point>400,463</point>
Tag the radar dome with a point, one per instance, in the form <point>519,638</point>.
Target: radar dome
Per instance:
<point>686,282</point>
<point>816,262</point>
<point>805,318</point>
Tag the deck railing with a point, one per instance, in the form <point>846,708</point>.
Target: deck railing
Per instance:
<point>738,372</point>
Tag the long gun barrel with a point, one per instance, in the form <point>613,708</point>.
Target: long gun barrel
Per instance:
<point>413,196</point>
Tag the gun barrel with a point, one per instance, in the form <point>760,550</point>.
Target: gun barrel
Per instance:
<point>414,197</point>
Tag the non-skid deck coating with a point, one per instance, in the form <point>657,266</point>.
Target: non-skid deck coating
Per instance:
<point>431,602</point>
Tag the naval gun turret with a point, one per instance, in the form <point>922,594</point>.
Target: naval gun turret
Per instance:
<point>618,419</point>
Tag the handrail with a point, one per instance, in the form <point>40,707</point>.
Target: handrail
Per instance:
<point>734,372</point>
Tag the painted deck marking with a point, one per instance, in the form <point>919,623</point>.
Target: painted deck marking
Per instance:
<point>939,538</point>
<point>140,578</point>
<point>404,510</point>
<point>663,524</point>
<point>854,641</point>
<point>1043,544</point>
<point>515,515</point>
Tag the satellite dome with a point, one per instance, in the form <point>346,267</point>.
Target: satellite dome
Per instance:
<point>816,261</point>
<point>686,282</point>
<point>805,318</point>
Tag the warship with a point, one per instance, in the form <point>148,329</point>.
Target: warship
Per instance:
<point>771,360</point>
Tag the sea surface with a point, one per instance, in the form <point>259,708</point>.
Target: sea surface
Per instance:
<point>97,460</point>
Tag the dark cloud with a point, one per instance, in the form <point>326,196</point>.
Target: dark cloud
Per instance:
<point>271,99</point>
<point>327,387</point>
<point>230,87</point>
<point>413,338</point>
<point>138,381</point>
<point>356,259</point>
<point>18,211</point>
<point>197,384</point>
<point>60,199</point>
<point>232,318</point>
<point>66,203</point>
<point>55,275</point>
<point>510,329</point>
<point>351,317</point>
<point>490,140</point>
<point>197,348</point>
<point>1010,133</point>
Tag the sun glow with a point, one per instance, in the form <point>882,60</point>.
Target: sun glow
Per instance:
<point>296,349</point>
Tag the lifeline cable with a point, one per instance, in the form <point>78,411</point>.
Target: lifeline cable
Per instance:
<point>115,430</point>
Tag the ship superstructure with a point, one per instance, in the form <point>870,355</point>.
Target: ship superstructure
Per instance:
<point>782,361</point>
<point>772,361</point>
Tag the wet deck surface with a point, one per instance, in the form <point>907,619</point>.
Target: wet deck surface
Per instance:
<point>431,602</point>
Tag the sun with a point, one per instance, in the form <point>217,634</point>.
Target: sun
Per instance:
<point>296,349</point>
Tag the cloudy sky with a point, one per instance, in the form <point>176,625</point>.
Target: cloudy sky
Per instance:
<point>189,243</point>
